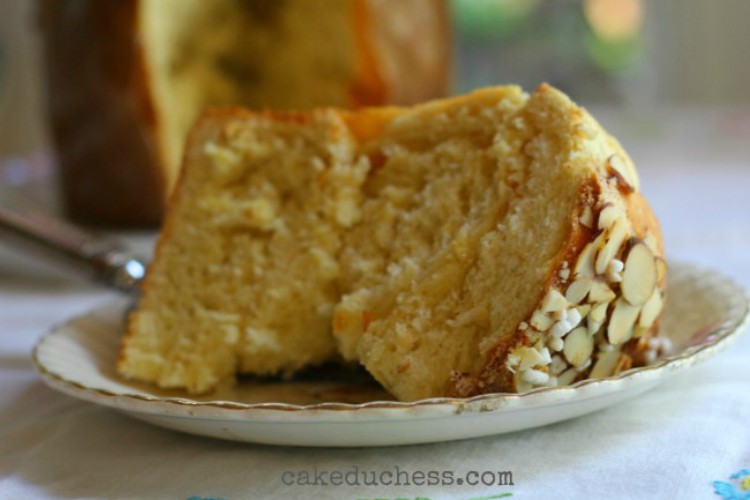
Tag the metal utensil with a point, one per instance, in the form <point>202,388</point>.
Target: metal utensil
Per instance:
<point>25,224</point>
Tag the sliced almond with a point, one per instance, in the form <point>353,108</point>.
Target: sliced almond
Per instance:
<point>605,365</point>
<point>596,318</point>
<point>577,291</point>
<point>530,357</point>
<point>621,322</point>
<point>599,312</point>
<point>651,309</point>
<point>601,292</point>
<point>567,377</point>
<point>609,215</point>
<point>560,315</point>
<point>626,176</point>
<point>639,276</point>
<point>585,264</point>
<point>594,326</point>
<point>585,366</point>
<point>578,346</point>
<point>583,310</point>
<point>554,301</point>
<point>605,347</point>
<point>541,321</point>
<point>615,237</point>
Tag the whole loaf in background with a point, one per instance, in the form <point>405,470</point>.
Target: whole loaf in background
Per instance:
<point>126,79</point>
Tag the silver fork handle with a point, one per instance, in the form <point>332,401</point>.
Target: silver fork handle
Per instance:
<point>25,225</point>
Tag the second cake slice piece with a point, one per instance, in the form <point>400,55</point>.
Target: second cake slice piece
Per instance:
<point>246,273</point>
<point>493,249</point>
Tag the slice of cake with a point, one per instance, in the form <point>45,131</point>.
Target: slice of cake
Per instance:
<point>490,242</point>
<point>246,273</point>
<point>504,246</point>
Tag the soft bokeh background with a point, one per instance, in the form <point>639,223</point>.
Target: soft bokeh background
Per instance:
<point>618,52</point>
<point>630,54</point>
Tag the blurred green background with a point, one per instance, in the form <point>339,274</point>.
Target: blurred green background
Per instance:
<point>691,52</point>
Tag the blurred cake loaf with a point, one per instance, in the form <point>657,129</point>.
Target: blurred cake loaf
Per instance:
<point>126,78</point>
<point>490,242</point>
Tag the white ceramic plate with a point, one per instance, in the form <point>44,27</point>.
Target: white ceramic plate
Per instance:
<point>705,312</point>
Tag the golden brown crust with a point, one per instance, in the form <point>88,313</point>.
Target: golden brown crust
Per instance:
<point>494,376</point>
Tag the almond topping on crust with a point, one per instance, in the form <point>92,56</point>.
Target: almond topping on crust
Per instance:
<point>583,310</point>
<point>605,365</point>
<point>599,312</point>
<point>621,322</point>
<point>541,321</point>
<point>577,291</point>
<point>615,239</point>
<point>578,346</point>
<point>651,309</point>
<point>567,377</point>
<point>529,357</point>
<point>626,178</point>
<point>585,264</point>
<point>608,216</point>
<point>639,276</point>
<point>600,292</point>
<point>554,301</point>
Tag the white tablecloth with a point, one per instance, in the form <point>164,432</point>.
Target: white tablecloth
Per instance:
<point>672,442</point>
